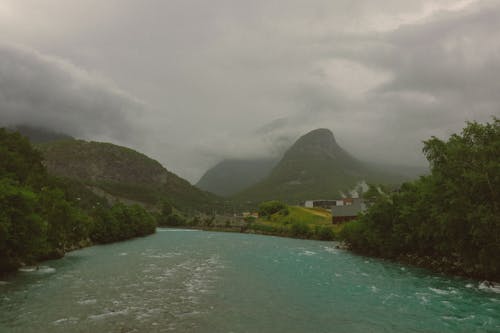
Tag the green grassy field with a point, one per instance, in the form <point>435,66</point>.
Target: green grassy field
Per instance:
<point>301,222</point>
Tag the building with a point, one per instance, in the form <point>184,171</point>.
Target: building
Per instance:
<point>326,204</point>
<point>343,210</point>
<point>348,210</point>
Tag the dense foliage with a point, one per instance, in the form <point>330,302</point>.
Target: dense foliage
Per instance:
<point>42,217</point>
<point>451,217</point>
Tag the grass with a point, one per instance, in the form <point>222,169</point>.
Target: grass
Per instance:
<point>300,222</point>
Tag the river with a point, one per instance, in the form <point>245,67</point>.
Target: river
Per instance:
<point>196,281</point>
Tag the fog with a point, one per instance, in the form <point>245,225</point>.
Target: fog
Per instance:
<point>192,82</point>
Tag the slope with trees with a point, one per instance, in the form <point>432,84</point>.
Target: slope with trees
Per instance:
<point>43,217</point>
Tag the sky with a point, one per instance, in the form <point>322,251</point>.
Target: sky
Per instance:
<point>191,82</point>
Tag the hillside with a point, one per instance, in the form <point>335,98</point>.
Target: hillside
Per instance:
<point>232,175</point>
<point>43,217</point>
<point>297,222</point>
<point>315,167</point>
<point>121,173</point>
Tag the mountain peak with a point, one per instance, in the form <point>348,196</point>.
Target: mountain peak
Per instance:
<point>314,167</point>
<point>320,133</point>
<point>317,136</point>
<point>317,142</point>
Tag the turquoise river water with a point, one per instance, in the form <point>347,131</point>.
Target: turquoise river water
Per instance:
<point>195,281</point>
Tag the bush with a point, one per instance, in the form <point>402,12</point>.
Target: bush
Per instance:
<point>324,233</point>
<point>175,220</point>
<point>300,229</point>
<point>271,207</point>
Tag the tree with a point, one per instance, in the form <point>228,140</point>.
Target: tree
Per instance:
<point>42,217</point>
<point>453,213</point>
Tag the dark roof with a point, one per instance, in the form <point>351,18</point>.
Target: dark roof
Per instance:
<point>356,207</point>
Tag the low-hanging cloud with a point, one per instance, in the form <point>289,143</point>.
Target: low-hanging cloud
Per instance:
<point>48,92</point>
<point>244,79</point>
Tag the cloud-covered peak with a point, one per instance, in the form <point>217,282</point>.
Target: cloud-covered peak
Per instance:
<point>216,75</point>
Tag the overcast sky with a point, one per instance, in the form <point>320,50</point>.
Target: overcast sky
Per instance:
<point>192,82</point>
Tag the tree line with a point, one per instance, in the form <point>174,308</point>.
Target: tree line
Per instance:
<point>448,220</point>
<point>42,217</point>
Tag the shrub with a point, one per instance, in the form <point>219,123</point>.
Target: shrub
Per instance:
<point>324,233</point>
<point>175,220</point>
<point>300,229</point>
<point>269,208</point>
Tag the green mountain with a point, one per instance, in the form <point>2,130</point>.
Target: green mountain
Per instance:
<point>233,175</point>
<point>315,167</point>
<point>123,174</point>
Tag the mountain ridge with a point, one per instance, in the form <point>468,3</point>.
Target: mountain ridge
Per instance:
<point>122,173</point>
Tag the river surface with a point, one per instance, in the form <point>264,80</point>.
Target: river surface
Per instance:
<point>195,281</point>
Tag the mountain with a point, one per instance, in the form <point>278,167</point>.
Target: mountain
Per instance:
<point>120,173</point>
<point>233,175</point>
<point>315,167</point>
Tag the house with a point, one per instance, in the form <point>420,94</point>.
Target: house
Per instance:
<point>343,210</point>
<point>348,210</point>
<point>326,204</point>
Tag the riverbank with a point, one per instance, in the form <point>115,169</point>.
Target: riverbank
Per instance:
<point>443,265</point>
<point>58,254</point>
<point>292,222</point>
<point>451,267</point>
<point>259,230</point>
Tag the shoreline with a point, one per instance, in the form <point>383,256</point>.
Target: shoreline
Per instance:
<point>240,230</point>
<point>59,255</point>
<point>443,265</point>
<point>436,266</point>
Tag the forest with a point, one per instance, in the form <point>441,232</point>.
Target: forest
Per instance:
<point>43,217</point>
<point>448,220</point>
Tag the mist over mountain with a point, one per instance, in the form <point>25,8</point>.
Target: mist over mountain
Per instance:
<point>203,78</point>
<point>316,167</point>
<point>231,176</point>
<point>40,134</point>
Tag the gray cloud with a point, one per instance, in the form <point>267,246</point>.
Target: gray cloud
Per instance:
<point>48,92</point>
<point>240,79</point>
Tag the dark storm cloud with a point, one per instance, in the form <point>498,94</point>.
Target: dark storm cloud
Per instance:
<point>48,92</point>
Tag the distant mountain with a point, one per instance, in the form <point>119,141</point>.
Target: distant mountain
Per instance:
<point>233,175</point>
<point>120,173</point>
<point>315,167</point>
<point>39,134</point>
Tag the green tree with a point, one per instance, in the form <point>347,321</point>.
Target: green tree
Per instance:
<point>22,230</point>
<point>42,217</point>
<point>453,213</point>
